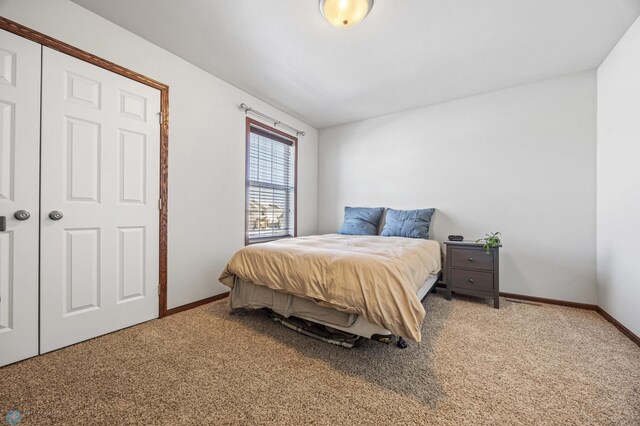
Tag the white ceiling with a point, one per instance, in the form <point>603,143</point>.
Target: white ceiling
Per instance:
<point>405,54</point>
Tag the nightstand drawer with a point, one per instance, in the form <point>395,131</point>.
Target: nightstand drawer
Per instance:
<point>475,280</point>
<point>476,259</point>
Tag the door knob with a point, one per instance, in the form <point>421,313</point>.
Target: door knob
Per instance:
<point>55,215</point>
<point>3,223</point>
<point>22,215</point>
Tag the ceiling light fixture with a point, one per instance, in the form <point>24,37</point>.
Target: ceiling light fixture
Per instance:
<point>345,13</point>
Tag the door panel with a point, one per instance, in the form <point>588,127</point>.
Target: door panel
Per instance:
<point>100,169</point>
<point>132,269</point>
<point>19,186</point>
<point>82,271</point>
<point>82,163</point>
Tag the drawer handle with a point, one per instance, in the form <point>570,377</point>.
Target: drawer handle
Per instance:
<point>471,280</point>
<point>471,259</point>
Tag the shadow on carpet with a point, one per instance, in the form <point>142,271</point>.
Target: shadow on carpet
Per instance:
<point>386,366</point>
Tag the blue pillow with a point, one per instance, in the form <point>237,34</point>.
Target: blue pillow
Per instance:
<point>407,223</point>
<point>361,221</point>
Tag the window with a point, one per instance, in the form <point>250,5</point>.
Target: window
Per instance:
<point>271,183</point>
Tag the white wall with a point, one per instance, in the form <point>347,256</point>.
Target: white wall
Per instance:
<point>520,161</point>
<point>619,181</point>
<point>206,144</point>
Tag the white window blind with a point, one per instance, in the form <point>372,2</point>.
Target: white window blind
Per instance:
<point>270,186</point>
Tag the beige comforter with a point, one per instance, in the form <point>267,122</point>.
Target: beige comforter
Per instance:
<point>374,276</point>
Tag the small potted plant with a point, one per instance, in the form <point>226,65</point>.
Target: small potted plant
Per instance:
<point>490,241</point>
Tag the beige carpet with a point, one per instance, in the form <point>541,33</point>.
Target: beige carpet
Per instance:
<point>521,364</point>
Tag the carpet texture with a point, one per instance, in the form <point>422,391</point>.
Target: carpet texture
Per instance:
<point>522,364</point>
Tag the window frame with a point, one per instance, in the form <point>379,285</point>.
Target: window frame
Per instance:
<point>281,137</point>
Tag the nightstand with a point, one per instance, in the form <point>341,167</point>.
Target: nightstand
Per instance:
<point>470,270</point>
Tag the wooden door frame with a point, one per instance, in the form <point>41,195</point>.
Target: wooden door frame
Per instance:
<point>44,40</point>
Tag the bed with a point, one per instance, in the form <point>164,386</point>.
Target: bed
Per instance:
<point>368,286</point>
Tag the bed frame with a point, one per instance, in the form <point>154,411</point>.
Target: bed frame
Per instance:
<point>308,321</point>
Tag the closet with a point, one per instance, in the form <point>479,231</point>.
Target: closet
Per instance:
<point>79,199</point>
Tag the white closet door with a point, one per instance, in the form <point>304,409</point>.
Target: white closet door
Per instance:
<point>100,170</point>
<point>19,185</point>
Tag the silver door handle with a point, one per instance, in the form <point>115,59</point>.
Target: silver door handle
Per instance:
<point>22,215</point>
<point>55,215</point>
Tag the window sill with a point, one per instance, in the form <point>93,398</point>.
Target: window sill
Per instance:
<point>265,240</point>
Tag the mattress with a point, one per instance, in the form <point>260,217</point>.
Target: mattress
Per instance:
<point>245,294</point>
<point>373,276</point>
